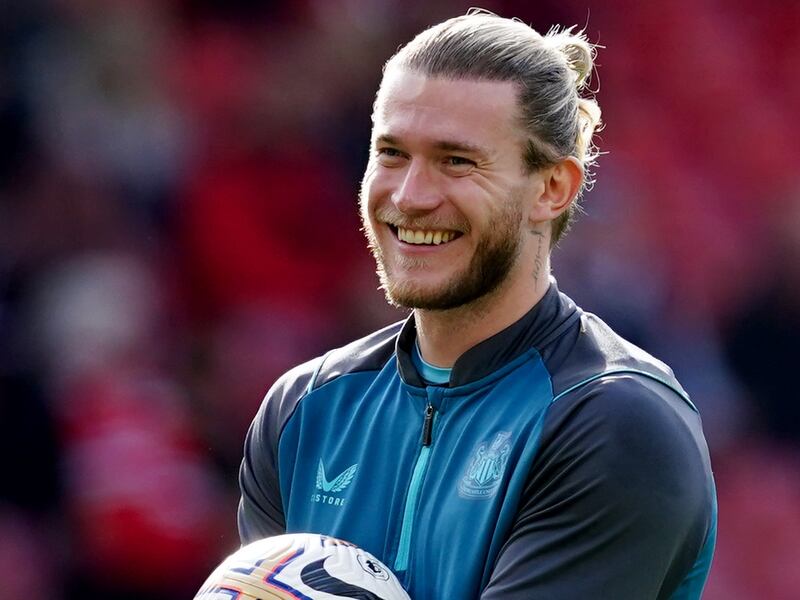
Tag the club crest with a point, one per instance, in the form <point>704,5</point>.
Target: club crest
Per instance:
<point>486,467</point>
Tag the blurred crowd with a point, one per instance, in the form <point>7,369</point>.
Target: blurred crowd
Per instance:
<point>178,225</point>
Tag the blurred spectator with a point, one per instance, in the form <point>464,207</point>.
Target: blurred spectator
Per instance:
<point>30,555</point>
<point>759,521</point>
<point>271,229</point>
<point>141,494</point>
<point>763,337</point>
<point>31,535</point>
<point>96,89</point>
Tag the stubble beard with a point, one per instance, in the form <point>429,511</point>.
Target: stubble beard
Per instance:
<point>491,262</point>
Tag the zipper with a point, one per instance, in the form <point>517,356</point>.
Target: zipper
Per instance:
<point>427,426</point>
<point>414,489</point>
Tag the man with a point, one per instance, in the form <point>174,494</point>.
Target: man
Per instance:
<point>500,443</point>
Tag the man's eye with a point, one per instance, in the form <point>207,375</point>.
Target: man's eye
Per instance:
<point>459,164</point>
<point>390,157</point>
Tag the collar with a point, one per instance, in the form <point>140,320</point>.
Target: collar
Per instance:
<point>431,374</point>
<point>546,321</point>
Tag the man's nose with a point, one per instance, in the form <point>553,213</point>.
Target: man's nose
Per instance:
<point>418,191</point>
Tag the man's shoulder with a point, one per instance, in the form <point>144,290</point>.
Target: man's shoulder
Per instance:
<point>617,352</point>
<point>369,353</point>
<point>595,354</point>
<point>609,393</point>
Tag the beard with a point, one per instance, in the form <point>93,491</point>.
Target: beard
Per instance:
<point>494,256</point>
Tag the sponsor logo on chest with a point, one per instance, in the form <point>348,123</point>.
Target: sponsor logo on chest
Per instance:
<point>329,491</point>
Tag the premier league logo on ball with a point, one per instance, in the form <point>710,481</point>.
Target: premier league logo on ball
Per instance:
<point>301,566</point>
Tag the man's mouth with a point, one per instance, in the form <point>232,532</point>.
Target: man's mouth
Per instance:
<point>432,237</point>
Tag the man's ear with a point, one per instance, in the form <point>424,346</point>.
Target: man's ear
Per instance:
<point>561,184</point>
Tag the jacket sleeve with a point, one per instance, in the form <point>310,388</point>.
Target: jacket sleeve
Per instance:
<point>619,502</point>
<point>260,511</point>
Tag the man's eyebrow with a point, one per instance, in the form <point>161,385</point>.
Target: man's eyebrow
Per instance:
<point>445,145</point>
<point>456,146</point>
<point>387,139</point>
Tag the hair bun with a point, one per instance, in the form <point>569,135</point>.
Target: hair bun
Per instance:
<point>577,50</point>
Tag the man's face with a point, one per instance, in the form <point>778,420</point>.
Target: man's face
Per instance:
<point>445,197</point>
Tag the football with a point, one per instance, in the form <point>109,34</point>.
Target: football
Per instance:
<point>301,566</point>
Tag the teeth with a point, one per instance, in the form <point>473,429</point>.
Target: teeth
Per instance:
<point>419,236</point>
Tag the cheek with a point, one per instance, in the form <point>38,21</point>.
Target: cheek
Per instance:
<point>369,173</point>
<point>376,189</point>
<point>367,190</point>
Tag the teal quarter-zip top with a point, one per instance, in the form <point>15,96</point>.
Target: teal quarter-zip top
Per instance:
<point>460,486</point>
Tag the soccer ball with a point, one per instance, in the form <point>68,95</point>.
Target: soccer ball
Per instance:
<point>301,566</point>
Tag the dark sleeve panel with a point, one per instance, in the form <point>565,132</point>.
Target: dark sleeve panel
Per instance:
<point>260,507</point>
<point>618,502</point>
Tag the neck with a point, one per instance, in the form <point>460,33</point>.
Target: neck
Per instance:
<point>444,335</point>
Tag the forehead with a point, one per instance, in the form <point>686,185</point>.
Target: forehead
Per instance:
<point>412,105</point>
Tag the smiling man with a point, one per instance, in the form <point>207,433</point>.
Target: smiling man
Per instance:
<point>500,443</point>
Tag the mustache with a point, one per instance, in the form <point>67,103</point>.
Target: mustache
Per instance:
<point>396,218</point>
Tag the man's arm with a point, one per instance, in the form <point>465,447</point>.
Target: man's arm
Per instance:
<point>619,502</point>
<point>260,511</point>
<point>260,508</point>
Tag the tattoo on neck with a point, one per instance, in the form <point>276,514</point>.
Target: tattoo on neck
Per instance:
<point>535,231</point>
<point>538,263</point>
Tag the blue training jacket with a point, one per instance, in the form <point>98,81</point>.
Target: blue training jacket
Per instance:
<point>560,462</point>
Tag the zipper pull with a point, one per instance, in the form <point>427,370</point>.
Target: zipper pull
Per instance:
<point>427,426</point>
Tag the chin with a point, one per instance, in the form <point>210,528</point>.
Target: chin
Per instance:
<point>409,294</point>
<point>434,296</point>
<point>459,290</point>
